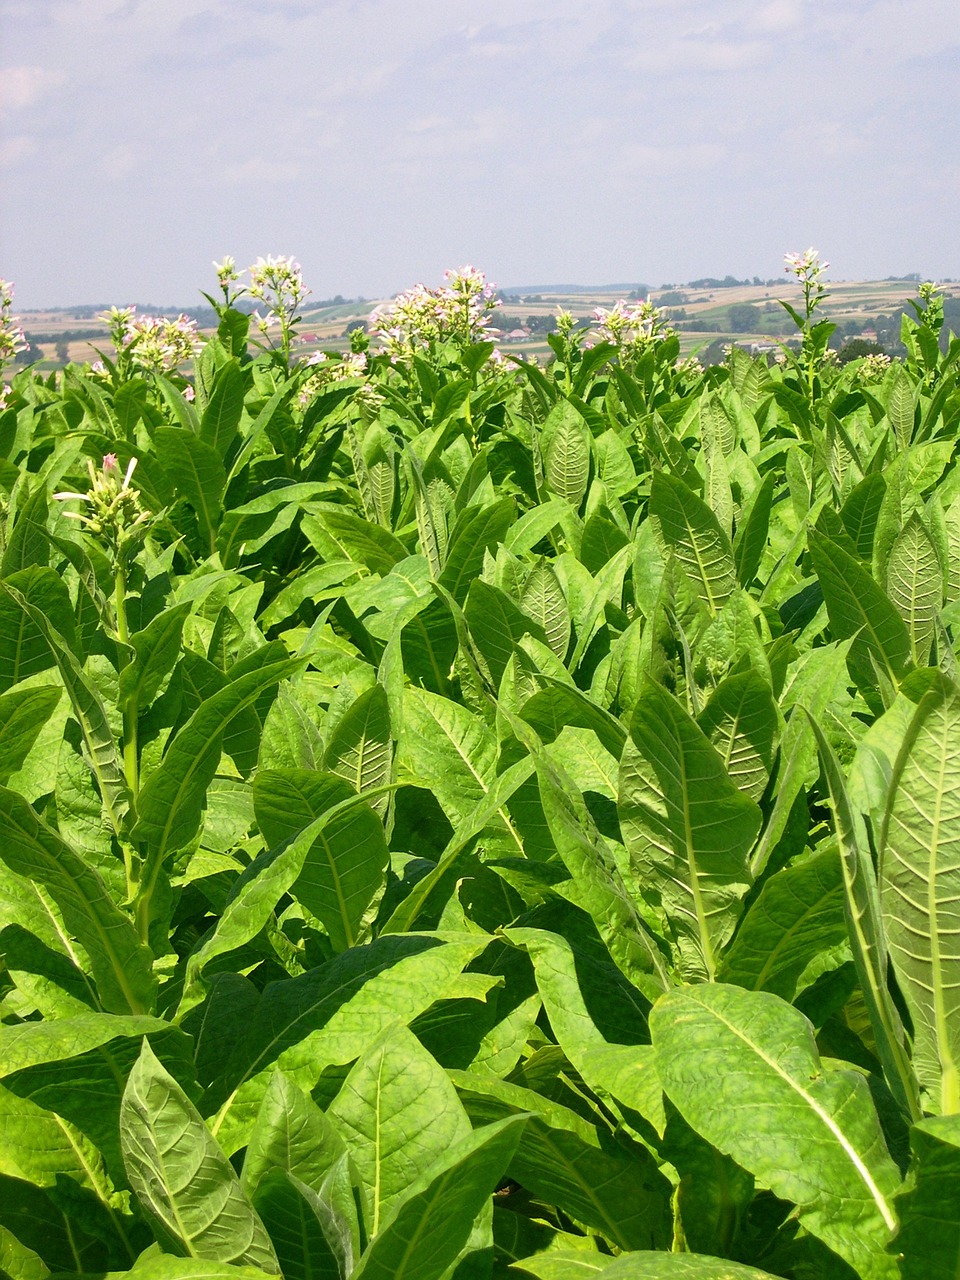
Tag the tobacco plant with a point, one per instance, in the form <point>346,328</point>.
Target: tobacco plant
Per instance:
<point>463,818</point>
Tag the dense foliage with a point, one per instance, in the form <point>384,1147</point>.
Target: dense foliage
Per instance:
<point>464,818</point>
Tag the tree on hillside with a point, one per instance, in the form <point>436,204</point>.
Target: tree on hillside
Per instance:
<point>743,318</point>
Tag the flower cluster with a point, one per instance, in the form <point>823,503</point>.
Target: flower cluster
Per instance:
<point>12,338</point>
<point>417,319</point>
<point>808,270</point>
<point>326,371</point>
<point>115,514</point>
<point>873,367</point>
<point>159,344</point>
<point>630,326</point>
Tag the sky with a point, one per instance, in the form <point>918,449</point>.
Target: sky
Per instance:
<point>382,141</point>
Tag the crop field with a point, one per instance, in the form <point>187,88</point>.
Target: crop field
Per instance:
<point>471,817</point>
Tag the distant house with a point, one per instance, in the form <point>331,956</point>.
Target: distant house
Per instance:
<point>517,335</point>
<point>869,335</point>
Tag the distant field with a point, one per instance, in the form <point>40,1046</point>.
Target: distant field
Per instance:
<point>79,336</point>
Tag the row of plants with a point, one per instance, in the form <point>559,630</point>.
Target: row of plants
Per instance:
<point>463,818</point>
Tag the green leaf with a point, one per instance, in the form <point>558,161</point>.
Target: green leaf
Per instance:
<point>17,1262</point>
<point>750,541</point>
<point>687,828</point>
<point>867,935</point>
<point>165,1267</point>
<point>915,585</point>
<point>340,534</point>
<point>197,471</point>
<point>555,708</point>
<point>292,1135</point>
<point>156,649</point>
<point>88,709</point>
<point>742,724</point>
<point>449,750</point>
<point>861,609</point>
<point>928,1241</point>
<point>693,531</point>
<point>24,649</point>
<point>566,453</point>
<point>641,1265</point>
<point>221,418</point>
<point>919,871</point>
<point>808,1134</point>
<point>496,625</point>
<point>861,511</point>
<point>399,1115</point>
<point>328,1017</point>
<point>122,965</point>
<point>345,860</point>
<point>185,1184</point>
<point>31,1044</point>
<point>478,530</point>
<point>284,1205</point>
<point>493,802</point>
<point>172,799</point>
<point>798,914</point>
<point>542,599</point>
<point>23,713</point>
<point>433,1222</point>
<point>598,886</point>
<point>613,1187</point>
<point>359,748</point>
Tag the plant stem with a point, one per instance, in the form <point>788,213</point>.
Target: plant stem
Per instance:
<point>130,762</point>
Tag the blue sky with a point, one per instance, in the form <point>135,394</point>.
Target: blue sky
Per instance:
<point>380,141</point>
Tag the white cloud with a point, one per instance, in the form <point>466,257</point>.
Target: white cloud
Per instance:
<point>22,87</point>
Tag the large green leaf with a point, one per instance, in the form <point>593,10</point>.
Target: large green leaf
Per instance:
<point>642,1265</point>
<point>344,866</point>
<point>496,625</point>
<point>597,884</point>
<point>477,530</point>
<point>859,608</point>
<point>613,1187</point>
<point>867,935</point>
<point>691,529</point>
<point>156,649</point>
<point>566,453</point>
<point>291,1134</point>
<point>328,1017</point>
<point>172,799</point>
<point>399,1115</point>
<point>687,828</point>
<point>432,1224</point>
<point>122,965</point>
<point>304,855</point>
<point>186,1186</point>
<point>928,1241</point>
<point>915,585</point>
<point>543,600</point>
<point>920,888</point>
<point>196,469</point>
<point>797,914</point>
<point>221,417</point>
<point>87,707</point>
<point>359,748</point>
<point>23,713</point>
<point>741,721</point>
<point>23,645</point>
<point>809,1134</point>
<point>286,1206</point>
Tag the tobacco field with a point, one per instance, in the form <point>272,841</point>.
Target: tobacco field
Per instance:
<point>465,819</point>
